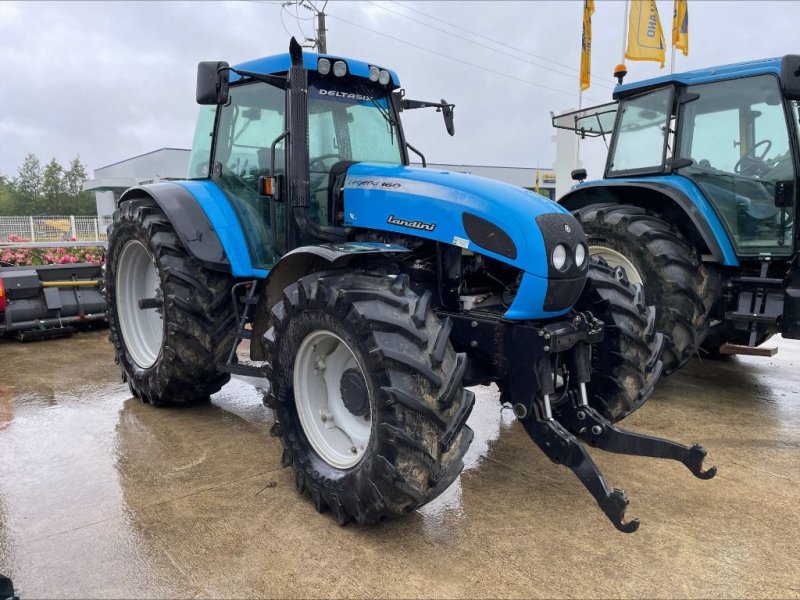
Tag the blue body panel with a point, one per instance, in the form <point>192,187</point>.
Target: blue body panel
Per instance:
<point>220,213</point>
<point>435,200</point>
<point>691,191</point>
<point>280,63</point>
<point>734,71</point>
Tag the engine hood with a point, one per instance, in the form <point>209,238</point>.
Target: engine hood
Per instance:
<point>432,204</point>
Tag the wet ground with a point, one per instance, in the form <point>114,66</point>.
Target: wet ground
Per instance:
<point>101,496</point>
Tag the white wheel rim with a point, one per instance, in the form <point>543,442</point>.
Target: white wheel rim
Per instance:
<point>136,279</point>
<point>617,259</point>
<point>337,435</point>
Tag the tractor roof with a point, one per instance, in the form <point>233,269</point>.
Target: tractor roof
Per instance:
<point>742,69</point>
<point>280,63</point>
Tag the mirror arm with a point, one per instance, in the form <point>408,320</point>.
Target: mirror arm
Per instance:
<point>279,82</point>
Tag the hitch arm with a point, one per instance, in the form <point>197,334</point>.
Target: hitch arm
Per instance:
<point>594,429</point>
<point>562,448</point>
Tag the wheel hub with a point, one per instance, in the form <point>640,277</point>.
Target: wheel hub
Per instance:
<point>142,327</point>
<point>354,393</point>
<point>332,399</point>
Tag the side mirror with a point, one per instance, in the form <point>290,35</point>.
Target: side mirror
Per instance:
<point>212,82</point>
<point>447,113</point>
<point>578,174</point>
<point>790,76</point>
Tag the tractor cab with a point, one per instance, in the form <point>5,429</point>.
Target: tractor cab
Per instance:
<point>281,127</point>
<point>732,132</point>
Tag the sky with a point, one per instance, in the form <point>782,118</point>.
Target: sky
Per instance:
<point>109,80</point>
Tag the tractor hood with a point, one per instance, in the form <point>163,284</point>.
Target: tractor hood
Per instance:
<point>483,215</point>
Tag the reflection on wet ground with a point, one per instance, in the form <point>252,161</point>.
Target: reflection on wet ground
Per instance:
<point>102,496</point>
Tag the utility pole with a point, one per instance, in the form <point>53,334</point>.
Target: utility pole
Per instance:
<point>322,46</point>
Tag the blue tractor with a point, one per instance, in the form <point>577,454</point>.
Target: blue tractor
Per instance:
<point>699,202</point>
<point>372,293</point>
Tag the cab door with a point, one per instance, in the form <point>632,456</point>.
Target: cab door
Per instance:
<point>246,128</point>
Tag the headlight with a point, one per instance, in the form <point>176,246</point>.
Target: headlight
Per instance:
<point>324,66</point>
<point>374,73</point>
<point>559,256</point>
<point>339,68</point>
<point>384,77</point>
<point>580,255</point>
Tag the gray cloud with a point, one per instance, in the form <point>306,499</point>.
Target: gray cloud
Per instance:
<point>108,80</point>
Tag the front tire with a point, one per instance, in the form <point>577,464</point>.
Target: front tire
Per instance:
<point>627,364</point>
<point>168,354</point>
<point>653,254</point>
<point>384,433</point>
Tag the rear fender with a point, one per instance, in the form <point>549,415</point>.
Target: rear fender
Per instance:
<point>301,262</point>
<point>685,204</point>
<point>205,223</point>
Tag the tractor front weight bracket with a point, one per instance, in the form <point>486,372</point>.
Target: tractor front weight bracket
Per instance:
<point>558,437</point>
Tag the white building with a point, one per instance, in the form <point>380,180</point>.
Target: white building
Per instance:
<point>159,165</point>
<point>173,163</point>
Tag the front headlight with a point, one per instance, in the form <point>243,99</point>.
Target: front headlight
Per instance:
<point>580,255</point>
<point>559,256</point>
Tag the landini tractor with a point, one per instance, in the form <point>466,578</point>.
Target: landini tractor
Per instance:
<point>699,202</point>
<point>372,293</point>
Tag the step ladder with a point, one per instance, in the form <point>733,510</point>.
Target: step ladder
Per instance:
<point>760,303</point>
<point>249,300</point>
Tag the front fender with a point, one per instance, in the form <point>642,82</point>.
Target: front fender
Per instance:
<point>300,262</point>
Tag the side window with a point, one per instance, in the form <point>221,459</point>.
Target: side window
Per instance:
<point>714,140</point>
<point>248,124</point>
<point>200,159</point>
<point>642,133</point>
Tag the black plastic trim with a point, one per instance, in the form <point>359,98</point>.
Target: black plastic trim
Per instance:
<point>488,235</point>
<point>189,220</point>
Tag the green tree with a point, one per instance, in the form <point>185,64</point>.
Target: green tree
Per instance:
<point>80,202</point>
<point>28,185</point>
<point>7,196</point>
<point>53,188</point>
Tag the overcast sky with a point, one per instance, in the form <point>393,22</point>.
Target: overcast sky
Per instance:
<point>110,80</point>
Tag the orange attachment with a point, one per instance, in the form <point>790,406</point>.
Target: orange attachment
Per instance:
<point>620,71</point>
<point>269,186</point>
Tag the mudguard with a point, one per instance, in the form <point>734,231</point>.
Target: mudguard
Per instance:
<point>300,262</point>
<point>675,188</point>
<point>205,222</point>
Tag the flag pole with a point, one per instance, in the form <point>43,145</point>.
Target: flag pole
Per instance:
<point>624,32</point>
<point>578,143</point>
<point>672,62</point>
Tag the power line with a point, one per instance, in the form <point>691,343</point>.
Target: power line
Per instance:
<point>572,74</point>
<point>462,61</point>
<point>485,37</point>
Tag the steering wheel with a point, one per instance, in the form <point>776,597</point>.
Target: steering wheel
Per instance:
<point>319,180</point>
<point>751,163</point>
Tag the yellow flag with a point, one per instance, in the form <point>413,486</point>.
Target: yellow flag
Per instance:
<point>536,185</point>
<point>586,45</point>
<point>645,36</point>
<point>680,27</point>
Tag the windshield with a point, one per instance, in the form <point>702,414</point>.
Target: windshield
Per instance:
<point>347,121</point>
<point>736,137</point>
<point>639,143</point>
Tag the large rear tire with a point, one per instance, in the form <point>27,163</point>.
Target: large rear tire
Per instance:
<point>658,257</point>
<point>168,354</point>
<point>626,365</point>
<point>368,395</point>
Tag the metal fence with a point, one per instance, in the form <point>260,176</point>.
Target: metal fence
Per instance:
<point>54,229</point>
